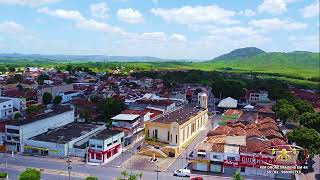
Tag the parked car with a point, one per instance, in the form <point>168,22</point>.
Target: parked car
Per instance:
<point>182,172</point>
<point>197,178</point>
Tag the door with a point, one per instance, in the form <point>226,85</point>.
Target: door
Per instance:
<point>202,167</point>
<point>215,168</point>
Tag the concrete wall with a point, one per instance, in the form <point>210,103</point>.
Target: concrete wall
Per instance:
<point>32,129</point>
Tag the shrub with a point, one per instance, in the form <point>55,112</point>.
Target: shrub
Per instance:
<point>3,175</point>
<point>92,178</point>
<point>30,174</point>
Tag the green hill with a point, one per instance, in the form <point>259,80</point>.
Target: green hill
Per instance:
<point>241,53</point>
<point>298,64</point>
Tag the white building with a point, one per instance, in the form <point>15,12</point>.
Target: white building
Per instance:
<point>18,103</point>
<point>67,96</point>
<point>68,140</point>
<point>17,131</point>
<point>128,121</point>
<point>259,97</point>
<point>228,103</point>
<point>105,145</point>
<point>6,108</point>
<point>49,82</point>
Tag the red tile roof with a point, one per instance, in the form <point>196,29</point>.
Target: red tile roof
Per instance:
<point>221,130</point>
<point>237,131</point>
<point>255,145</point>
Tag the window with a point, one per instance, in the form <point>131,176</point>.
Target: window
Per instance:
<point>109,144</point>
<point>168,135</point>
<point>98,156</point>
<point>156,133</point>
<point>4,106</point>
<point>231,158</point>
<point>13,131</point>
<point>243,169</point>
<point>215,157</point>
<point>115,141</point>
<point>92,145</point>
<point>148,133</point>
<point>182,134</point>
<point>99,146</point>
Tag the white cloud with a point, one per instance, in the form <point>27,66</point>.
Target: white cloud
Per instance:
<point>274,7</point>
<point>100,10</point>
<point>161,37</point>
<point>311,10</point>
<point>247,12</point>
<point>33,3</point>
<point>178,37</point>
<point>195,15</point>
<point>15,30</point>
<point>130,16</point>
<point>276,24</point>
<point>306,43</point>
<point>82,22</point>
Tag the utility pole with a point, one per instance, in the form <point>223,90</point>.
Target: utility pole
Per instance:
<point>69,168</point>
<point>157,171</point>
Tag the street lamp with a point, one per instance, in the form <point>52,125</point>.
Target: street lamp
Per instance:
<point>69,167</point>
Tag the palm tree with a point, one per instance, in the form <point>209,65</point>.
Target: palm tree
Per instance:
<point>140,175</point>
<point>124,174</point>
<point>237,176</point>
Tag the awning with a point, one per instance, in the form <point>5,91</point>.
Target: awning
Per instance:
<point>202,153</point>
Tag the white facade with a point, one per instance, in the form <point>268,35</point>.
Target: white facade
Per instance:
<point>67,97</point>
<point>6,108</point>
<point>18,103</point>
<point>17,134</point>
<point>105,148</point>
<point>56,149</point>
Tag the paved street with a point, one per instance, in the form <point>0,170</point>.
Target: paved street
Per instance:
<point>57,168</point>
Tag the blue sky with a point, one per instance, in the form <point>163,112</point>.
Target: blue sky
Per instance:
<point>177,29</point>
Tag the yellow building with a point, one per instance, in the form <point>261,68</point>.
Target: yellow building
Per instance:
<point>170,133</point>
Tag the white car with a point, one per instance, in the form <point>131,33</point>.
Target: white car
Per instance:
<point>182,172</point>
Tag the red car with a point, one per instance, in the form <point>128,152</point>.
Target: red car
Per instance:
<point>197,178</point>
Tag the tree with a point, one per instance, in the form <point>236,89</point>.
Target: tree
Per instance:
<point>17,115</point>
<point>310,120</point>
<point>124,174</point>
<point>306,138</point>
<point>30,174</point>
<point>109,108</point>
<point>18,78</point>
<point>46,98</point>
<point>33,109</point>
<point>227,88</point>
<point>41,78</point>
<point>92,178</point>
<point>57,100</point>
<point>303,106</point>
<point>132,177</point>
<point>140,175</point>
<point>237,176</point>
<point>287,112</point>
<point>11,69</point>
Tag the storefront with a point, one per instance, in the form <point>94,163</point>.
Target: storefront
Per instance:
<point>103,156</point>
<point>216,166</point>
<point>200,165</point>
<point>230,166</point>
<point>250,165</point>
